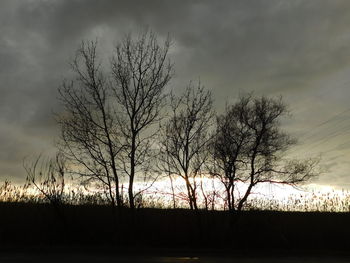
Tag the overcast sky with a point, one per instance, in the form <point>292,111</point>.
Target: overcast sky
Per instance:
<point>297,49</point>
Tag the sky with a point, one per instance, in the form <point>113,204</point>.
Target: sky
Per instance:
<point>299,50</point>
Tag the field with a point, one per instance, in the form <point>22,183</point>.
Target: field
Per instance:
<point>30,226</point>
<point>307,224</point>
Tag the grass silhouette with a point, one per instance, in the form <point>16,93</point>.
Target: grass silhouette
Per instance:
<point>28,220</point>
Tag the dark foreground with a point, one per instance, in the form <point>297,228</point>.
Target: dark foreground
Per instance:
<point>43,233</point>
<point>87,257</point>
<point>104,259</point>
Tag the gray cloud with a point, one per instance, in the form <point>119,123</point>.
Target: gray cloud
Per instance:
<point>298,49</point>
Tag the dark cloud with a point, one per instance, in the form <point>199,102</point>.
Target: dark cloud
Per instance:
<point>298,49</point>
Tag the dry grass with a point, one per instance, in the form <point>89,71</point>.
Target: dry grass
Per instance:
<point>313,201</point>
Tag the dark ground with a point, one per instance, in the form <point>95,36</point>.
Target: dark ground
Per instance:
<point>37,233</point>
<point>101,258</point>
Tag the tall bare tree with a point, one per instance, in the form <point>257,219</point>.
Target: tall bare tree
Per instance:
<point>185,138</point>
<point>89,131</point>
<point>141,72</point>
<point>248,148</point>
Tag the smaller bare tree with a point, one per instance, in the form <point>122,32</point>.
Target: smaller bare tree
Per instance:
<point>185,138</point>
<point>47,175</point>
<point>248,149</point>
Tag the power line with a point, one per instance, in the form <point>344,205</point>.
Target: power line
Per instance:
<point>325,122</point>
<point>311,131</point>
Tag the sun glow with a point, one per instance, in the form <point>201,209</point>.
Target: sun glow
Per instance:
<point>168,193</point>
<point>174,190</point>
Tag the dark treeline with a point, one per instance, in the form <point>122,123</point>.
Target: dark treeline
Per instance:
<point>119,126</point>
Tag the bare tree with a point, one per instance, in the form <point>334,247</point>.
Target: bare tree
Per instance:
<point>89,131</point>
<point>185,138</point>
<point>229,148</point>
<point>248,147</point>
<point>48,177</point>
<point>141,72</point>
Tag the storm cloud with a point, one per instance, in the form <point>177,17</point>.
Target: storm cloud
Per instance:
<point>297,49</point>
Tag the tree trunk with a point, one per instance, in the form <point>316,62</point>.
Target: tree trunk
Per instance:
<point>132,172</point>
<point>245,197</point>
<point>189,193</point>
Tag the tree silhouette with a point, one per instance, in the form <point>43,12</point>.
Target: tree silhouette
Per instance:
<point>106,127</point>
<point>185,138</point>
<point>89,131</point>
<point>248,147</point>
<point>141,72</point>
